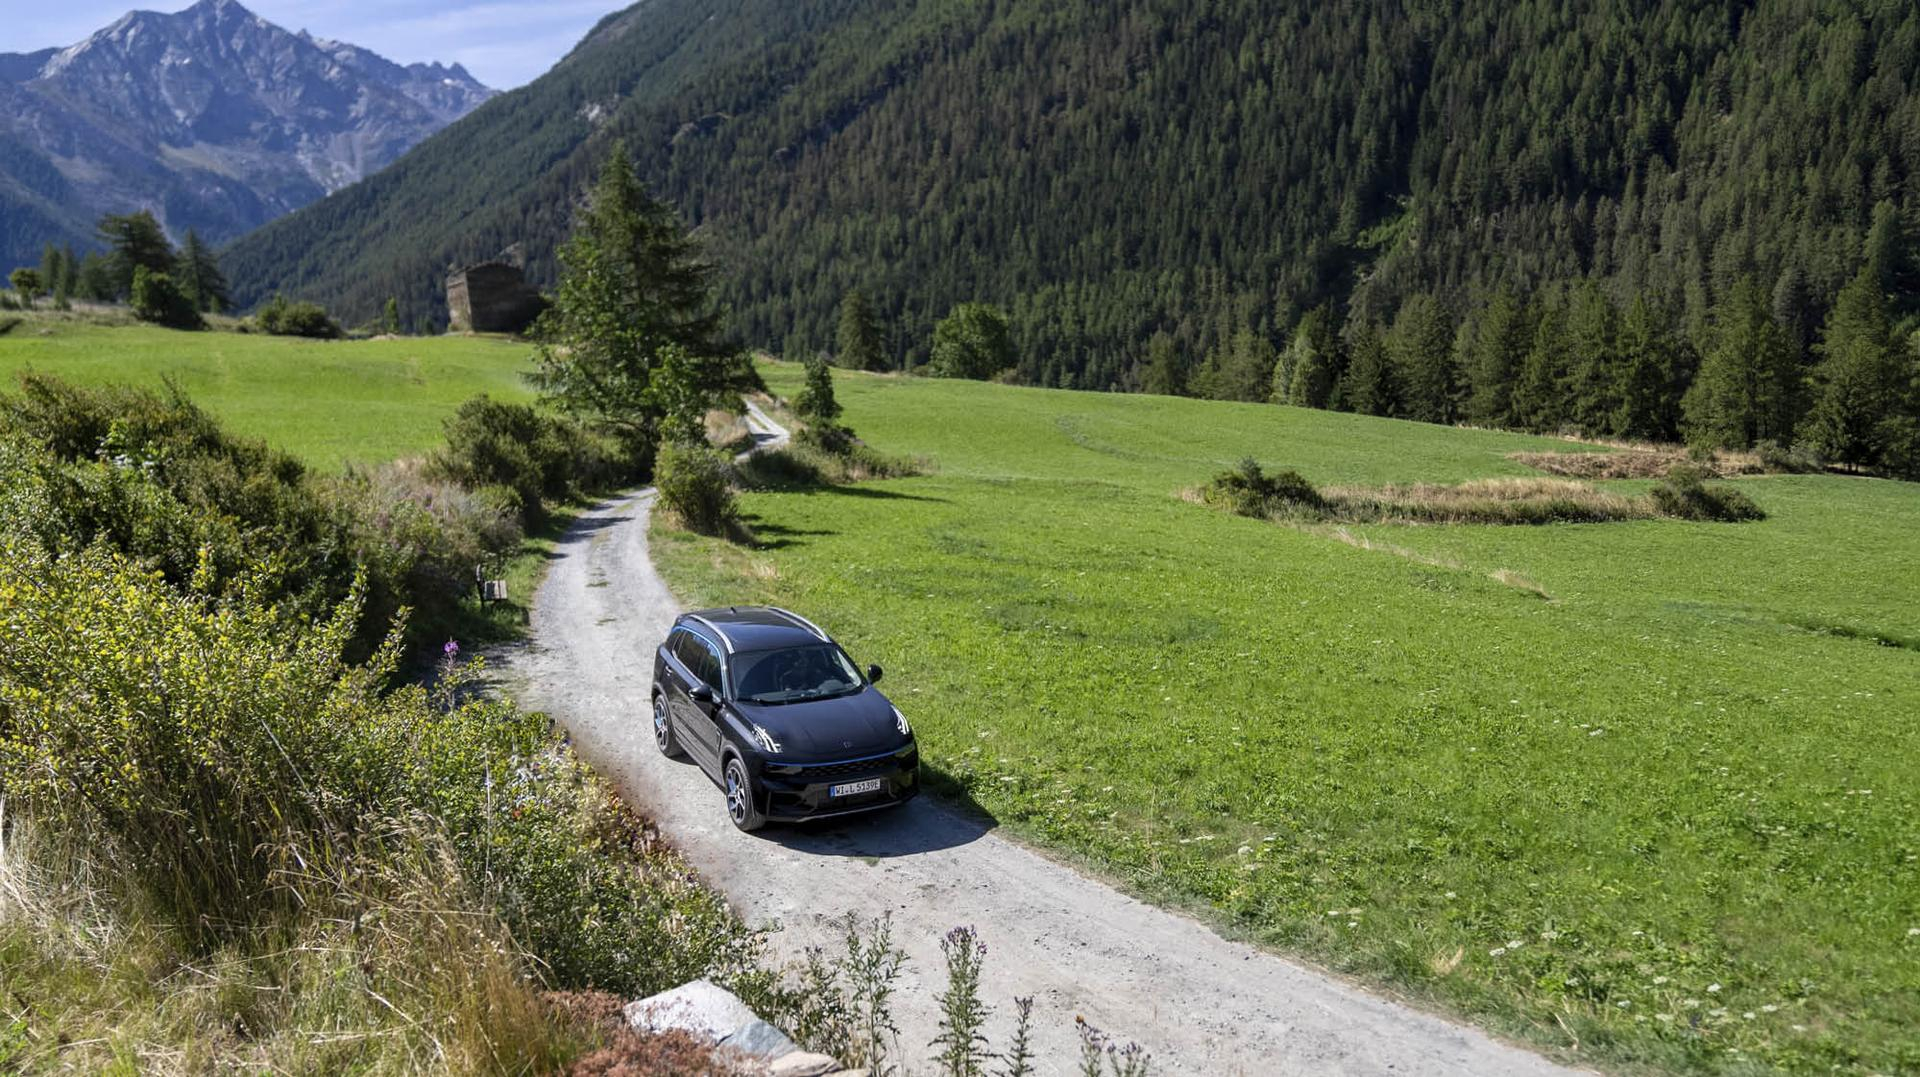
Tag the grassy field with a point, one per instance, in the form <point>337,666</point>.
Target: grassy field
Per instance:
<point>328,402</point>
<point>1638,792</point>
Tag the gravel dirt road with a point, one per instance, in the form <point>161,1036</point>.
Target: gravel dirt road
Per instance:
<point>1199,1003</point>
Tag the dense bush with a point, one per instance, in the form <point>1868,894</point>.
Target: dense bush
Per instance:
<point>282,317</point>
<point>157,299</point>
<point>540,458</point>
<point>696,484</point>
<point>1685,494</point>
<point>156,478</point>
<point>239,768</point>
<point>1250,491</point>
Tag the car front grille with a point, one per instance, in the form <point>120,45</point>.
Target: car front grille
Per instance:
<point>829,771</point>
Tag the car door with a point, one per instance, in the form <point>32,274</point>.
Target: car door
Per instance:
<point>685,654</point>
<point>701,722</point>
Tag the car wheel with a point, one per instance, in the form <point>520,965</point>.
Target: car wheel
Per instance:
<point>740,796</point>
<point>663,729</point>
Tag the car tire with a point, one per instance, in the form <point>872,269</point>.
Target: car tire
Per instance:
<point>663,728</point>
<point>741,796</point>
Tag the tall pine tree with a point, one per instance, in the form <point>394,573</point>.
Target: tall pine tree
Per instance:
<point>1750,384</point>
<point>861,346</point>
<point>1421,346</point>
<point>1371,386</point>
<point>1495,354</point>
<point>1859,384</point>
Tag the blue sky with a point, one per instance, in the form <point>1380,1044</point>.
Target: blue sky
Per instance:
<point>504,44</point>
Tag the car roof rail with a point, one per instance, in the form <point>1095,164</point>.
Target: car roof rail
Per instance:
<point>803,623</point>
<point>725,641</point>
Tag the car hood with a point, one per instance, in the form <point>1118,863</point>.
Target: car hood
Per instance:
<point>859,724</point>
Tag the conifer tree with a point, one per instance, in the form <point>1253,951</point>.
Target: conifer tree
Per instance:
<point>1421,349</point>
<point>1166,372</point>
<point>634,293</point>
<point>1372,387</point>
<point>1749,386</point>
<point>1859,390</point>
<point>1315,363</point>
<point>1593,374</point>
<point>860,337</point>
<point>1652,375</point>
<point>198,274</point>
<point>1538,403</point>
<point>1243,370</point>
<point>136,240</point>
<point>1496,352</point>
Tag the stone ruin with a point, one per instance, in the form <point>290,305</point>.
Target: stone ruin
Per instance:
<point>492,297</point>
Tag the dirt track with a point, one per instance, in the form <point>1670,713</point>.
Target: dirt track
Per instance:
<point>1201,1004</point>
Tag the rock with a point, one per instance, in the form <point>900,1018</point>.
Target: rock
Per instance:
<point>707,1011</point>
<point>802,1064</point>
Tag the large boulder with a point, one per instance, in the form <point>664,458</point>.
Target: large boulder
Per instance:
<point>712,1013</point>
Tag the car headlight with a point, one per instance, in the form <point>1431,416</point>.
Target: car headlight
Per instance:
<point>766,741</point>
<point>900,723</point>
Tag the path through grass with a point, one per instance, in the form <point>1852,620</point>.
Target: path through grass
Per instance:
<point>1657,816</point>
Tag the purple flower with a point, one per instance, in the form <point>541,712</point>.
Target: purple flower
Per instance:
<point>451,650</point>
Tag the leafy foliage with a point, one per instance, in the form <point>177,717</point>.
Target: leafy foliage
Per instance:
<point>971,342</point>
<point>862,344</point>
<point>157,299</point>
<point>696,483</point>
<point>283,317</point>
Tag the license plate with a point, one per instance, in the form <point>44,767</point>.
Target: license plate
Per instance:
<point>871,785</point>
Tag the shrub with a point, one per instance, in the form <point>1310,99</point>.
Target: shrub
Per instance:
<point>157,299</point>
<point>282,317</point>
<point>974,341</point>
<point>1686,495</point>
<point>815,402</point>
<point>1249,491</point>
<point>8,325</point>
<point>541,458</point>
<point>1798,459</point>
<point>696,484</point>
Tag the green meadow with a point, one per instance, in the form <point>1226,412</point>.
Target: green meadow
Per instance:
<point>328,402</point>
<point>1640,793</point>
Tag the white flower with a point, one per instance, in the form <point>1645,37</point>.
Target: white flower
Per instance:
<point>1913,932</point>
<point>1451,895</point>
<point>1498,951</point>
<point>1748,1016</point>
<point>1769,1008</point>
<point>1713,989</point>
<point>1659,980</point>
<point>1624,1004</point>
<point>1514,945</point>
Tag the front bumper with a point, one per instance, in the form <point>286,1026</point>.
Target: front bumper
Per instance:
<point>805,790</point>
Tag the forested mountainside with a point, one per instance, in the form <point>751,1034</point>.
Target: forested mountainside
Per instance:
<point>1194,168</point>
<point>212,118</point>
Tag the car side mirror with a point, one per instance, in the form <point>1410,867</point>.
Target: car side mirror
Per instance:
<point>874,673</point>
<point>702,694</point>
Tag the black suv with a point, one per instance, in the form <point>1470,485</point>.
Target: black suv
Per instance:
<point>779,717</point>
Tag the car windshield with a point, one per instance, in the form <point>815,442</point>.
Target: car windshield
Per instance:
<point>794,674</point>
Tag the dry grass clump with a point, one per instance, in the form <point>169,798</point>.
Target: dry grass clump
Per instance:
<point>1484,501</point>
<point>728,432</point>
<point>620,1051</point>
<point>1632,460</point>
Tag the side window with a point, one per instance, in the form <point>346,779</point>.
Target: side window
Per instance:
<point>708,669</point>
<point>681,645</point>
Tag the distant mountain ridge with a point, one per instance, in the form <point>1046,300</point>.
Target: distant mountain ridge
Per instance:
<point>211,117</point>
<point>1109,173</point>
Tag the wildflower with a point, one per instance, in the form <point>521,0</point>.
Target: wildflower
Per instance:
<point>1769,1008</point>
<point>1624,1004</point>
<point>1913,932</point>
<point>1498,951</point>
<point>1514,945</point>
<point>1658,980</point>
<point>1451,895</point>
<point>1713,989</point>
<point>1748,1016</point>
<point>451,650</point>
